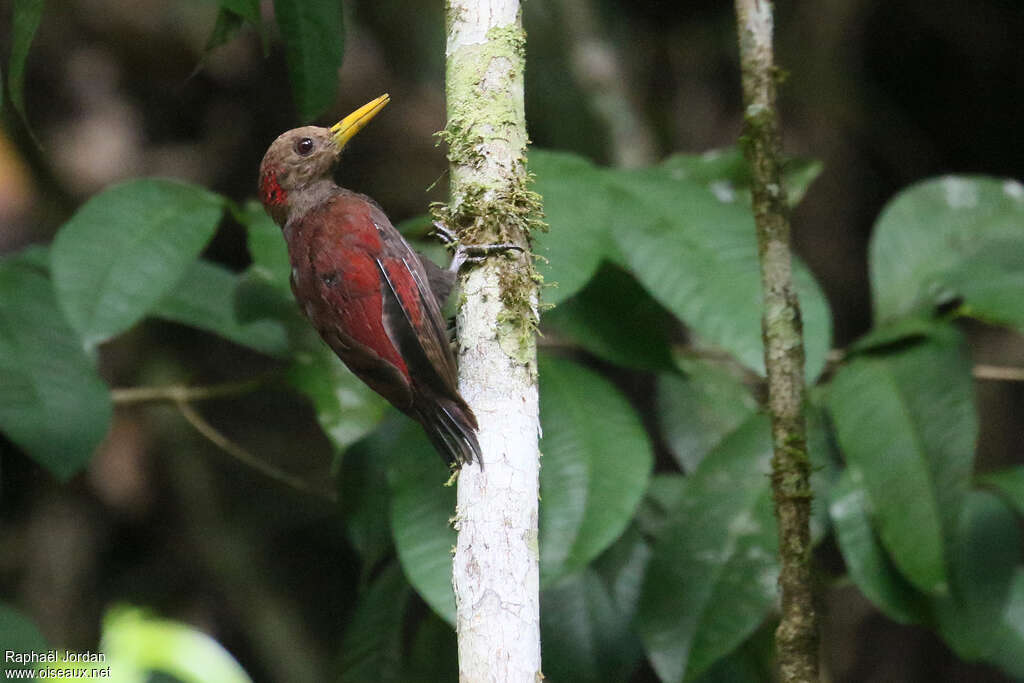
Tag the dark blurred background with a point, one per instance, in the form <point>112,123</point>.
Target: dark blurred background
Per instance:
<point>883,93</point>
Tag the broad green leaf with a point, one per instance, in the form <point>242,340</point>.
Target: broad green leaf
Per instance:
<point>693,249</point>
<point>752,662</point>
<point>712,574</point>
<point>1010,485</point>
<point>991,280</point>
<point>125,249</point>
<point>266,244</point>
<point>345,407</point>
<point>137,644</point>
<point>866,561</point>
<point>950,237</point>
<point>726,173</point>
<point>577,209</point>
<point>906,421</point>
<point>421,509</point>
<point>371,650</point>
<point>911,329</point>
<point>52,402</point>
<point>19,635</point>
<point>225,27</point>
<point>1008,641</point>
<point>985,553</point>
<point>585,635</point>
<point>314,39</point>
<point>697,410</point>
<point>27,15</point>
<point>205,298</point>
<point>35,256</point>
<point>597,462</point>
<point>364,498</point>
<point>697,255</point>
<point>825,462</point>
<point>615,319</point>
<point>665,493</point>
<point>623,566</point>
<point>247,9</point>
<point>434,654</point>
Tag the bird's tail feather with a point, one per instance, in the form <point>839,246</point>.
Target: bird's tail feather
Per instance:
<point>451,427</point>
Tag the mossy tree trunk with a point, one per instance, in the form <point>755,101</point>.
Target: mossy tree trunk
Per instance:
<point>496,576</point>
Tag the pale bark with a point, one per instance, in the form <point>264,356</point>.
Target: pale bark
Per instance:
<point>797,635</point>
<point>495,572</point>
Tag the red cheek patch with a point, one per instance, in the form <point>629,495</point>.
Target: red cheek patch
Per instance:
<point>271,191</point>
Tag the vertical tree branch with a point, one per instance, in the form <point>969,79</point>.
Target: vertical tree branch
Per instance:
<point>495,575</point>
<point>797,634</point>
<point>598,69</point>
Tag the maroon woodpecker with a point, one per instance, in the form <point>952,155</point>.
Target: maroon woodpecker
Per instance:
<point>374,301</point>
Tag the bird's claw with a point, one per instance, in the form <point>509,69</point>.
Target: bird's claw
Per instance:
<point>445,235</point>
<point>475,253</point>
<point>469,253</point>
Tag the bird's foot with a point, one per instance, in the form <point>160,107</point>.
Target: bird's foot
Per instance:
<point>475,253</point>
<point>469,253</point>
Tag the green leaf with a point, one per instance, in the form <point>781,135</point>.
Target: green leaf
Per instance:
<point>20,635</point>
<point>597,462</point>
<point>664,494</point>
<point>226,26</point>
<point>752,662</point>
<point>314,40</point>
<point>205,298</point>
<point>434,653</point>
<point>27,15</point>
<point>577,209</point>
<point>868,565</point>
<point>1009,483</point>
<point>950,237</point>
<point>266,244</point>
<point>615,319</point>
<point>247,9</point>
<point>364,499</point>
<point>125,249</point>
<point>346,408</point>
<point>371,650</point>
<point>699,409</point>
<point>35,256</point>
<point>727,174</point>
<point>991,279</point>
<point>1008,641</point>
<point>712,575</point>
<point>585,619</point>
<point>697,255</point>
<point>904,330</point>
<point>421,509</point>
<point>52,402</point>
<point>585,636</point>
<point>135,643</point>
<point>906,421</point>
<point>985,553</point>
<point>693,249</point>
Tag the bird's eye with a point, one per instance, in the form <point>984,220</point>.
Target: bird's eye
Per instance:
<point>304,147</point>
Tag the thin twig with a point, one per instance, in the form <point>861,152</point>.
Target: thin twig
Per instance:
<point>999,373</point>
<point>797,635</point>
<point>182,396</point>
<point>597,67</point>
<point>180,392</point>
<point>245,457</point>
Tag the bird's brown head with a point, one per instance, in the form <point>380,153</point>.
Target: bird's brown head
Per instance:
<point>300,157</point>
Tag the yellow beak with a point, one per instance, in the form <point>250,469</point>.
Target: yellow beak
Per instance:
<point>345,130</point>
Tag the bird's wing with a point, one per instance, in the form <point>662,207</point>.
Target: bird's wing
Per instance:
<point>414,323</point>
